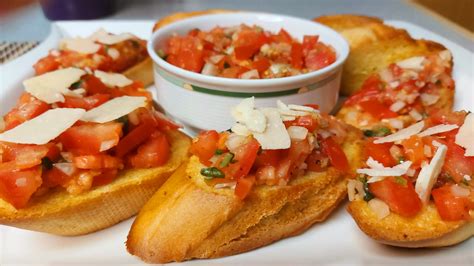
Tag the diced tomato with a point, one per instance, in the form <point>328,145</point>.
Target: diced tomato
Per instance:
<point>336,155</point>
<point>244,186</point>
<point>221,143</point>
<point>233,72</point>
<point>16,187</point>
<point>319,57</point>
<point>27,107</point>
<point>449,206</point>
<point>106,177</point>
<point>443,117</point>
<point>205,145</point>
<point>370,90</point>
<point>88,139</point>
<point>414,149</point>
<point>46,64</point>
<point>55,177</point>
<point>297,55</point>
<point>380,152</point>
<point>93,85</point>
<point>309,43</point>
<point>377,109</point>
<point>134,138</point>
<point>402,199</point>
<point>27,156</point>
<point>268,158</point>
<point>315,161</point>
<point>292,158</point>
<point>245,156</point>
<point>165,122</point>
<point>248,43</point>
<point>186,52</point>
<point>456,164</point>
<point>97,162</point>
<point>261,64</point>
<point>87,103</point>
<point>307,121</point>
<point>134,89</point>
<point>153,153</point>
<point>282,36</point>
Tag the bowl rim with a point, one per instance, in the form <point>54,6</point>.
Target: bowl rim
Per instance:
<point>247,83</point>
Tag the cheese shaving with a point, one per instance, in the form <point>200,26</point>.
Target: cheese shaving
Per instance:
<point>437,129</point>
<point>80,45</point>
<point>429,174</point>
<point>275,136</point>
<point>43,128</point>
<point>51,87</point>
<point>378,171</point>
<point>465,138</point>
<point>114,109</point>
<point>113,79</point>
<point>402,134</point>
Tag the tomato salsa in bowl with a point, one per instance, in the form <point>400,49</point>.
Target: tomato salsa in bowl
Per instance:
<point>247,52</point>
<point>200,71</point>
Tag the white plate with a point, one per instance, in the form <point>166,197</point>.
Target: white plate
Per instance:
<point>336,241</point>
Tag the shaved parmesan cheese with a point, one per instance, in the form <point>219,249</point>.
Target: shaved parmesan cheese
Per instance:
<point>43,128</point>
<point>374,163</point>
<point>376,179</point>
<point>297,133</point>
<point>303,108</point>
<point>379,207</point>
<point>429,174</point>
<point>245,106</point>
<point>465,138</point>
<point>240,129</point>
<point>114,109</point>
<point>51,87</point>
<point>413,63</point>
<point>112,79</point>
<point>397,170</point>
<point>437,129</point>
<point>80,45</point>
<point>275,136</point>
<point>402,134</point>
<point>110,39</point>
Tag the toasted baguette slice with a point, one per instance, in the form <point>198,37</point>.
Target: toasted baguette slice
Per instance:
<point>58,212</point>
<point>188,219</point>
<point>142,71</point>
<point>184,15</point>
<point>374,46</point>
<point>424,230</point>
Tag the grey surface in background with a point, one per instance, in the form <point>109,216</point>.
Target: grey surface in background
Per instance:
<point>29,24</point>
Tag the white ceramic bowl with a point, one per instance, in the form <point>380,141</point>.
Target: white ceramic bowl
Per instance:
<point>203,102</point>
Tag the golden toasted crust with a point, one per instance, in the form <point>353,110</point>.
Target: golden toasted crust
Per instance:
<point>184,15</point>
<point>142,71</point>
<point>188,219</point>
<point>60,213</point>
<point>424,230</point>
<point>374,46</point>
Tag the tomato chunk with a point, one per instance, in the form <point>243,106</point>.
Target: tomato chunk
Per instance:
<point>414,149</point>
<point>46,64</point>
<point>307,121</point>
<point>28,107</point>
<point>91,138</point>
<point>336,154</point>
<point>401,198</point>
<point>153,153</point>
<point>98,161</point>
<point>17,187</point>
<point>205,146</point>
<point>244,186</point>
<point>86,103</point>
<point>449,206</point>
<point>380,152</point>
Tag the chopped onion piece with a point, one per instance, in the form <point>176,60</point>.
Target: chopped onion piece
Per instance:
<point>379,207</point>
<point>460,191</point>
<point>105,145</point>
<point>230,185</point>
<point>397,106</point>
<point>429,99</point>
<point>67,168</point>
<point>415,115</point>
<point>297,133</point>
<point>251,74</point>
<point>209,69</point>
<point>234,141</point>
<point>20,182</point>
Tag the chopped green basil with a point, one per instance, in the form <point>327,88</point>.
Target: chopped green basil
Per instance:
<point>135,43</point>
<point>226,65</point>
<point>260,150</point>
<point>161,53</point>
<point>226,160</point>
<point>401,159</point>
<point>401,181</point>
<point>218,152</point>
<point>47,163</point>
<point>368,196</point>
<point>76,85</point>
<point>211,172</point>
<point>378,132</point>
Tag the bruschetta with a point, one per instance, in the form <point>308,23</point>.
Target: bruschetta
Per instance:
<point>416,187</point>
<point>119,53</point>
<point>80,152</point>
<point>374,46</point>
<point>275,173</point>
<point>404,93</point>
